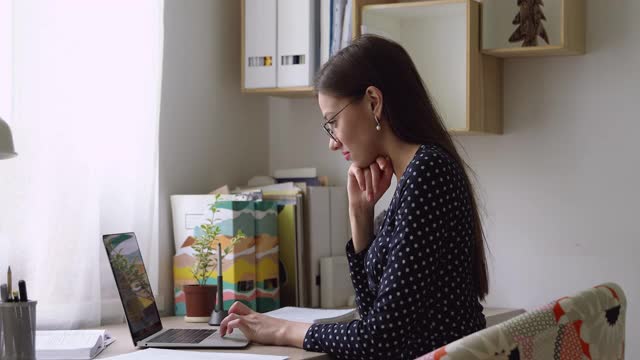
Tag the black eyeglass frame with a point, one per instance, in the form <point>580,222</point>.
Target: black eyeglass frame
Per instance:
<point>327,124</point>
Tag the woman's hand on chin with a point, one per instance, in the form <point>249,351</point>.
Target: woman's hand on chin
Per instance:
<point>366,186</point>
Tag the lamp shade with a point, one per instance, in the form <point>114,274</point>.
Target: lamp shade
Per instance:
<point>6,141</point>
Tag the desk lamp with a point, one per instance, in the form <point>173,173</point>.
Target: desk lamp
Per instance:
<point>6,141</point>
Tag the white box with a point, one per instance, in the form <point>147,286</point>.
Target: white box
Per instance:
<point>298,41</point>
<point>260,44</point>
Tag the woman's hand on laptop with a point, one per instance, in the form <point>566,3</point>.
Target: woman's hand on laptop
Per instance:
<point>263,329</point>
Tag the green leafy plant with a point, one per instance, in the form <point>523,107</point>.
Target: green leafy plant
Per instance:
<point>206,245</point>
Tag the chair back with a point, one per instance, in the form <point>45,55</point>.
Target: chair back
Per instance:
<point>587,325</point>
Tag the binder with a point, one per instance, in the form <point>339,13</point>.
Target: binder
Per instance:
<point>347,25</point>
<point>337,17</point>
<point>260,44</point>
<point>293,284</point>
<point>340,226</point>
<point>335,282</point>
<point>329,231</point>
<point>319,237</point>
<point>325,31</point>
<point>297,41</point>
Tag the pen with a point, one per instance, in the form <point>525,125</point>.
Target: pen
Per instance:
<point>9,281</point>
<point>22,288</point>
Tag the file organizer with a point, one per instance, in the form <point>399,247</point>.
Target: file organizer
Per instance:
<point>267,257</point>
<point>298,41</point>
<point>259,60</point>
<point>238,267</point>
<point>190,211</point>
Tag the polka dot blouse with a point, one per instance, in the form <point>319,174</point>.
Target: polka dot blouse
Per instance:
<point>414,284</point>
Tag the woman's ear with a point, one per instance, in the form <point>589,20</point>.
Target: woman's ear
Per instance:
<point>375,100</point>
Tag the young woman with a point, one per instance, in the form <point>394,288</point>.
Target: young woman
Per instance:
<point>418,282</point>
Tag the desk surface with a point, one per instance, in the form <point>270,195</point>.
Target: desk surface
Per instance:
<point>123,343</point>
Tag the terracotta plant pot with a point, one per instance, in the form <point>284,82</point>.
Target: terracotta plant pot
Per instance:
<point>200,301</point>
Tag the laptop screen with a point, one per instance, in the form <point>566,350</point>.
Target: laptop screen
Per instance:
<point>133,285</point>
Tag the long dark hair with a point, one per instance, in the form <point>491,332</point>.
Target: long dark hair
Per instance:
<point>375,61</point>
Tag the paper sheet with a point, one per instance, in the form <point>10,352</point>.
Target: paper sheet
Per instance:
<point>164,354</point>
<point>309,315</point>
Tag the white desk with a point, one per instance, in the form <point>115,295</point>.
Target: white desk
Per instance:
<point>124,344</point>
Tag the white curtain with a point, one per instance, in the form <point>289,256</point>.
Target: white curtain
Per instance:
<point>85,89</point>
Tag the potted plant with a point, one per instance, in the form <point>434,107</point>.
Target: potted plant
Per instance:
<point>200,298</point>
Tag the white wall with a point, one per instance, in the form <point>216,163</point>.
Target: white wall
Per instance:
<point>210,134</point>
<point>560,187</point>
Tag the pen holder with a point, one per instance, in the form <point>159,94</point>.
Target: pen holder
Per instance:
<point>18,330</point>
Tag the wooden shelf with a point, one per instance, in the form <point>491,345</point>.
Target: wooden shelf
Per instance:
<point>547,50</point>
<point>565,28</point>
<point>293,92</point>
<point>443,39</point>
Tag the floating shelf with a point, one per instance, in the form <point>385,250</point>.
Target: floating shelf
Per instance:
<point>306,91</point>
<point>442,37</point>
<point>563,26</point>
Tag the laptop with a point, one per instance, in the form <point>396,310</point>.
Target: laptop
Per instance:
<point>140,305</point>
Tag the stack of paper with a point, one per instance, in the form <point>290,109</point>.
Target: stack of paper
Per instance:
<point>314,316</point>
<point>71,344</point>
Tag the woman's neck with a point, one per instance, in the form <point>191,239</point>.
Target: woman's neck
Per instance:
<point>401,154</point>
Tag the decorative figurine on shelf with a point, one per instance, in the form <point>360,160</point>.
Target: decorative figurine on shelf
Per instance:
<point>200,298</point>
<point>529,21</point>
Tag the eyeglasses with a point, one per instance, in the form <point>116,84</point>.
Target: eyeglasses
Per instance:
<point>329,124</point>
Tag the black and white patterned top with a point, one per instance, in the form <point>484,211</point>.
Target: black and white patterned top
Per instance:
<point>415,287</point>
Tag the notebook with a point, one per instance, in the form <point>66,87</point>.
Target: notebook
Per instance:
<point>314,316</point>
<point>71,344</point>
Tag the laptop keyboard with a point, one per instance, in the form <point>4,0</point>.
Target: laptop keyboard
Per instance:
<point>188,336</point>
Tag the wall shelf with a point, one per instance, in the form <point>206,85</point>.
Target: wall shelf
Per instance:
<point>564,28</point>
<point>306,91</point>
<point>443,39</point>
